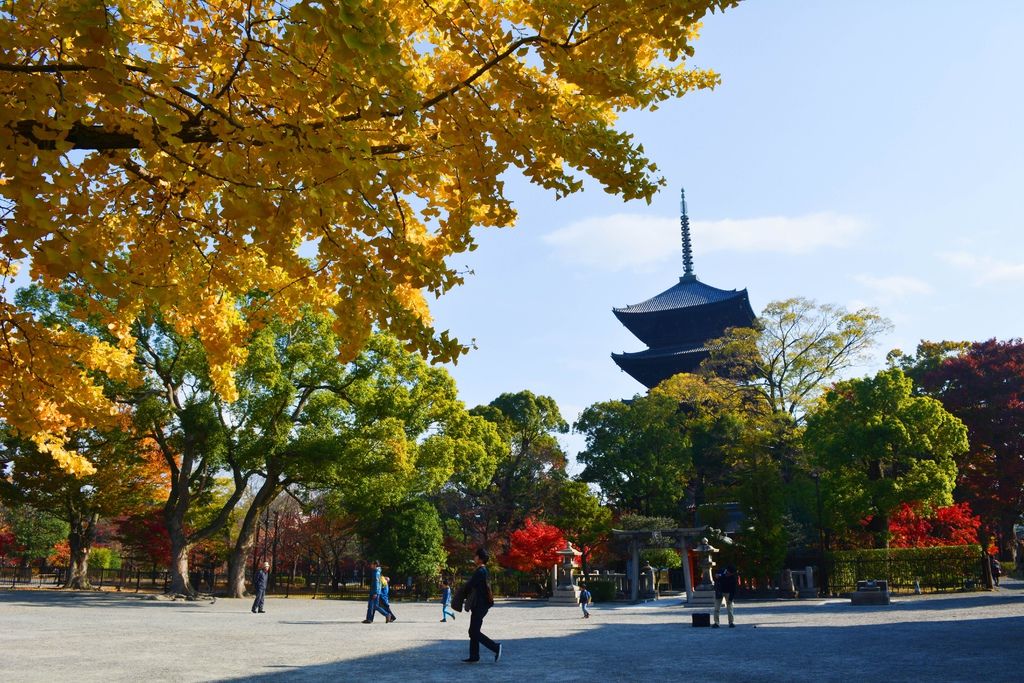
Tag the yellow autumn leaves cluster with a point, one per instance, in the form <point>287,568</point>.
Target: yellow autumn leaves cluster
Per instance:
<point>227,161</point>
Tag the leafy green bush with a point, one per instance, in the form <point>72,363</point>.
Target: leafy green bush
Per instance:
<point>602,591</point>
<point>104,558</point>
<point>938,568</point>
<point>299,582</point>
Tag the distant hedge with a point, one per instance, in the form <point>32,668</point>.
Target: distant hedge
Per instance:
<point>601,591</point>
<point>937,569</point>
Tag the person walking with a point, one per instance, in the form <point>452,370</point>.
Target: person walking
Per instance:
<point>585,601</point>
<point>385,601</point>
<point>997,569</point>
<point>259,586</point>
<point>373,602</point>
<point>725,589</point>
<point>478,599</point>
<point>446,601</point>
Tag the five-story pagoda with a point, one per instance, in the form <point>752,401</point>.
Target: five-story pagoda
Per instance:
<point>677,324</point>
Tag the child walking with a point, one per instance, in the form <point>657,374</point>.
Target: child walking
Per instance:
<point>446,601</point>
<point>585,601</point>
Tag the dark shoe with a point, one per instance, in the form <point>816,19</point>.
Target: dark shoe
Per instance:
<point>714,625</point>
<point>392,618</point>
<point>732,625</point>
<point>470,660</point>
<point>497,655</point>
<point>263,611</point>
<point>443,620</point>
<point>367,621</point>
<point>254,611</point>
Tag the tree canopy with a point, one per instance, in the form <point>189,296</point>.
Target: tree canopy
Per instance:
<point>795,349</point>
<point>637,452</point>
<point>878,446</point>
<point>332,153</point>
<point>983,385</point>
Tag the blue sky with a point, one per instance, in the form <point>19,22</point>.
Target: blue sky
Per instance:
<point>860,153</point>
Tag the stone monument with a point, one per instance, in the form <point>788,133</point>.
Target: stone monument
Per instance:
<point>704,592</point>
<point>566,592</point>
<point>648,589</point>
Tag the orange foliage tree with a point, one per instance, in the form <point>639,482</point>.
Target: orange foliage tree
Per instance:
<point>334,154</point>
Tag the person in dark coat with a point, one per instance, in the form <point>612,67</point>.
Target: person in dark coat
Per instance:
<point>259,586</point>
<point>476,595</point>
<point>725,589</point>
<point>997,569</point>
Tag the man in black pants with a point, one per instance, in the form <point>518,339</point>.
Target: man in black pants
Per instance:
<point>478,601</point>
<point>259,586</point>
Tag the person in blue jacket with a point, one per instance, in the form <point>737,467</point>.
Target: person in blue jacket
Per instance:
<point>373,603</point>
<point>446,601</point>
<point>585,601</point>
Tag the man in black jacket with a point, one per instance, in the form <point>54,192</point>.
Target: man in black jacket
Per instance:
<point>259,586</point>
<point>478,600</point>
<point>725,589</point>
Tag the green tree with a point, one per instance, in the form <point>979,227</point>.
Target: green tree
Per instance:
<point>637,453</point>
<point>376,431</point>
<point>796,348</point>
<point>737,444</point>
<point>35,532</point>
<point>581,518</point>
<point>125,480</point>
<point>877,446</point>
<point>524,477</point>
<point>408,540</point>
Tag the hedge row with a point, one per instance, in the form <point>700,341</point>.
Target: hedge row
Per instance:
<point>935,569</point>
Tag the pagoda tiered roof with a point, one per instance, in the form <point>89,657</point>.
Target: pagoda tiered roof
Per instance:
<point>677,324</point>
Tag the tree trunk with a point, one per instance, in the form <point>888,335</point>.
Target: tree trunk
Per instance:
<point>80,541</point>
<point>247,534</point>
<point>237,560</point>
<point>180,584</point>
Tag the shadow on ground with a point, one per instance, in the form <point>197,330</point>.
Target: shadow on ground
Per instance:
<point>905,651</point>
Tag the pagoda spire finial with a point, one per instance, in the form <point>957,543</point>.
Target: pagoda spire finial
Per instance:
<point>684,229</point>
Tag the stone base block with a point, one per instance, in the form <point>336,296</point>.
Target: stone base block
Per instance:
<point>566,596</point>
<point>869,598</point>
<point>702,598</point>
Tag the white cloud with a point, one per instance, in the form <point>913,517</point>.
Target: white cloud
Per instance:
<point>640,242</point>
<point>985,269</point>
<point>891,287</point>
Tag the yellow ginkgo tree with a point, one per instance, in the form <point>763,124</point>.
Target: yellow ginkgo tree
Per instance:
<point>185,154</point>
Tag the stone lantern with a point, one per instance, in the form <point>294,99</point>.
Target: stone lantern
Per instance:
<point>704,592</point>
<point>566,591</point>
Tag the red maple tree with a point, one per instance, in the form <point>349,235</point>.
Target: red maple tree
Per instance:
<point>952,525</point>
<point>534,547</point>
<point>984,387</point>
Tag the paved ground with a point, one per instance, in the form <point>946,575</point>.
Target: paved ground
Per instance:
<point>55,636</point>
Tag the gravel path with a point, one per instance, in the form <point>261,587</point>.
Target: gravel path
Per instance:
<point>48,635</point>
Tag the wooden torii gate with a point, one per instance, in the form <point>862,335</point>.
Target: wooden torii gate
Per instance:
<point>636,541</point>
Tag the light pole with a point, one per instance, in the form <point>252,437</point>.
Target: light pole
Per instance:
<point>273,553</point>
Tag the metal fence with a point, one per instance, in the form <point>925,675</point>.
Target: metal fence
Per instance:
<point>908,575</point>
